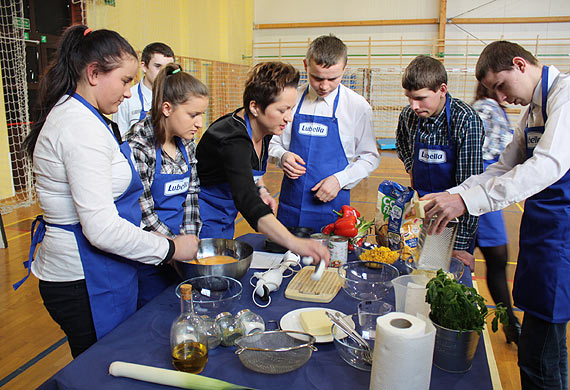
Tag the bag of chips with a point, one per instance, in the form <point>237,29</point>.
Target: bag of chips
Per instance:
<point>395,224</point>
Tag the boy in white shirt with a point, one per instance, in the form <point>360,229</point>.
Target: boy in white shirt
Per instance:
<point>135,108</point>
<point>329,147</point>
<point>535,166</point>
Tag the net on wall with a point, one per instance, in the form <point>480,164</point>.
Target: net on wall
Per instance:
<point>13,65</point>
<point>377,67</point>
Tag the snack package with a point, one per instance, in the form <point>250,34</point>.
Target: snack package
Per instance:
<point>395,223</point>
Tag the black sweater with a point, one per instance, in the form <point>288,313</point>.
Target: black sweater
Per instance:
<point>226,154</point>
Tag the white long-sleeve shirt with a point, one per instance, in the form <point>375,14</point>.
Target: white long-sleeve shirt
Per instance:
<point>79,172</point>
<point>355,123</point>
<point>514,178</point>
<point>130,109</point>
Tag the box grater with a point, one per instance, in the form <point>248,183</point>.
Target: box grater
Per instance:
<point>303,288</point>
<point>435,250</point>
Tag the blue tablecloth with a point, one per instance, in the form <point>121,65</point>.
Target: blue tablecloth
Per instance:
<point>144,339</point>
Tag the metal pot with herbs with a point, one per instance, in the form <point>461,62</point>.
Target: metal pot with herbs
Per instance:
<point>458,313</point>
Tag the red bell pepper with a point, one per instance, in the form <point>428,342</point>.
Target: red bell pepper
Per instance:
<point>349,210</point>
<point>328,229</point>
<point>346,231</point>
<point>346,220</point>
<point>346,226</point>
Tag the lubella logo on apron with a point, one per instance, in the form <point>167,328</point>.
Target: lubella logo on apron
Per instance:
<point>532,139</point>
<point>431,156</point>
<point>176,186</point>
<point>313,129</point>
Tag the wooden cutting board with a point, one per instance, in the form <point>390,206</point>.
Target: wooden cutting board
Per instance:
<point>303,288</point>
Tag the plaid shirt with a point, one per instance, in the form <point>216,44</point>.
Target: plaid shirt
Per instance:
<point>142,142</point>
<point>468,136</point>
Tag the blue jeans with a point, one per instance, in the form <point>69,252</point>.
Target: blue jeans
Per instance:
<point>543,357</point>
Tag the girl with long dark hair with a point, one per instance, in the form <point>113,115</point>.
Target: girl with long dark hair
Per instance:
<point>88,189</point>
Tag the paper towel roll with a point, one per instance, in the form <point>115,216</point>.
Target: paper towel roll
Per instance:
<point>403,352</point>
<point>416,299</point>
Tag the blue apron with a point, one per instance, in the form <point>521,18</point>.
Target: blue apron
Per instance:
<point>542,278</point>
<point>217,208</point>
<point>491,231</point>
<point>169,192</point>
<point>141,98</point>
<point>111,280</point>
<point>433,169</point>
<point>317,140</point>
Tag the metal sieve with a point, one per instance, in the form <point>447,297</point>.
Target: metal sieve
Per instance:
<point>275,352</point>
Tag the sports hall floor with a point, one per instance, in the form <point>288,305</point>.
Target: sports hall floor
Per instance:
<point>32,347</point>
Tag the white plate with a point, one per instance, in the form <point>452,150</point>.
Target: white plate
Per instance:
<point>292,321</point>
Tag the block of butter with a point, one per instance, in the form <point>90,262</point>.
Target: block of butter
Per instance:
<point>316,322</point>
<point>419,208</point>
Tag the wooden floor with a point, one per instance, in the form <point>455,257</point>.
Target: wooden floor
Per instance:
<point>32,347</point>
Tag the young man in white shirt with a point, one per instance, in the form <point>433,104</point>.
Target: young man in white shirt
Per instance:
<point>135,108</point>
<point>535,166</point>
<point>329,147</point>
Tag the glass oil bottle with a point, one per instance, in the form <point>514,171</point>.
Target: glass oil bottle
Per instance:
<point>188,342</point>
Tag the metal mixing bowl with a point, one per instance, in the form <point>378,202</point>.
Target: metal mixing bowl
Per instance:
<point>275,352</point>
<point>218,247</point>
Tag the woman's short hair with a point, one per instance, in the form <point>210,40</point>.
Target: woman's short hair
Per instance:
<point>266,80</point>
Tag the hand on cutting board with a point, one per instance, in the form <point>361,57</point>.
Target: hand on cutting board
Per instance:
<point>446,207</point>
<point>465,257</point>
<point>293,165</point>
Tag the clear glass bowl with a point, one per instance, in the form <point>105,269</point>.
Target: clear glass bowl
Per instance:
<point>394,257</point>
<point>367,280</point>
<point>213,295</point>
<point>348,349</point>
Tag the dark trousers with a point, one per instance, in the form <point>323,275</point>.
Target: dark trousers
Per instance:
<point>68,305</point>
<point>543,356</point>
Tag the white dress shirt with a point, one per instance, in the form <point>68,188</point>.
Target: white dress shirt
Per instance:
<point>130,109</point>
<point>355,123</point>
<point>79,172</point>
<point>514,178</point>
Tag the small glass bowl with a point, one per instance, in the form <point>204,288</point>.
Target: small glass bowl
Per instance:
<point>394,257</point>
<point>212,295</point>
<point>348,349</point>
<point>367,280</point>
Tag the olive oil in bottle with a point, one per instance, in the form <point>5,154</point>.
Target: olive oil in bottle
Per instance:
<point>190,357</point>
<point>188,342</point>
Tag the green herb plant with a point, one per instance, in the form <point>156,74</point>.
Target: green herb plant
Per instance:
<point>458,307</point>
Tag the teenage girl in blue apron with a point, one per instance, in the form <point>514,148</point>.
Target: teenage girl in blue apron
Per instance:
<point>76,92</point>
<point>161,147</point>
<point>491,235</point>
<point>232,157</point>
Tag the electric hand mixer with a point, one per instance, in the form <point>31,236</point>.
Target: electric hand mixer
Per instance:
<point>271,279</point>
